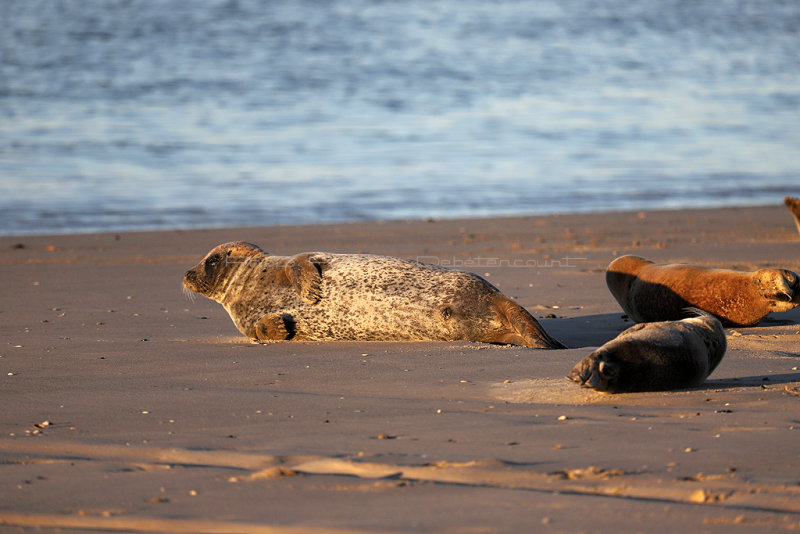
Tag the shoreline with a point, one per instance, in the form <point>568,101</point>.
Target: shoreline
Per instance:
<point>380,221</point>
<point>107,367</point>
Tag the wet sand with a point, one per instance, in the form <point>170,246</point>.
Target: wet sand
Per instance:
<point>128,407</point>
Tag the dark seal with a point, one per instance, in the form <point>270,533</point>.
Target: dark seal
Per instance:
<point>649,292</point>
<point>655,356</point>
<point>317,296</point>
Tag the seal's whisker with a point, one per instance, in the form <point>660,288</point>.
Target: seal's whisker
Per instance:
<point>188,293</point>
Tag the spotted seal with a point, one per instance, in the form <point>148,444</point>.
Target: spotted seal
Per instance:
<point>655,356</point>
<point>649,292</point>
<point>319,296</point>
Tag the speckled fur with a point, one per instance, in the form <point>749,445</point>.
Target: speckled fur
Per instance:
<point>655,356</point>
<point>321,296</point>
<point>649,292</point>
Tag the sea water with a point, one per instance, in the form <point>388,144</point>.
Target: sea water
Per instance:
<point>141,114</point>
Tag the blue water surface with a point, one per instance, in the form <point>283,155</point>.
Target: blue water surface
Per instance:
<point>141,114</point>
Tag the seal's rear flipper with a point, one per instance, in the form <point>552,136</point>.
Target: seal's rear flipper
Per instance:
<point>594,372</point>
<point>523,329</point>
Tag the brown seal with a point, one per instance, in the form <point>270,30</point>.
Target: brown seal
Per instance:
<point>649,292</point>
<point>794,207</point>
<point>322,296</point>
<point>655,356</point>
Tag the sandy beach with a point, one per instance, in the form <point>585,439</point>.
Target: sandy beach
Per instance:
<point>127,406</point>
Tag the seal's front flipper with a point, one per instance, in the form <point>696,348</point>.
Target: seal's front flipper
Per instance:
<point>275,327</point>
<point>304,272</point>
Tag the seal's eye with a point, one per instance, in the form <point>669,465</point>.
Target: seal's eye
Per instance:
<point>212,262</point>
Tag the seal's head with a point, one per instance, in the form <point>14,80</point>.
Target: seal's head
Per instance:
<point>219,266</point>
<point>604,370</point>
<point>622,272</point>
<point>778,284</point>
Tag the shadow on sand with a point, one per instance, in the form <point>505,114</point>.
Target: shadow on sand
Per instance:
<point>757,381</point>
<point>587,330</point>
<point>595,330</point>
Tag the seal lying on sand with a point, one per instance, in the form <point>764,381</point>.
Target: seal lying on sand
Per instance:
<point>649,292</point>
<point>794,207</point>
<point>320,296</point>
<point>655,356</point>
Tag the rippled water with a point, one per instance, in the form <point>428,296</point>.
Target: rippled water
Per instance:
<point>163,114</point>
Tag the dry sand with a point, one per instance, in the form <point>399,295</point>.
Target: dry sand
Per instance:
<point>126,406</point>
